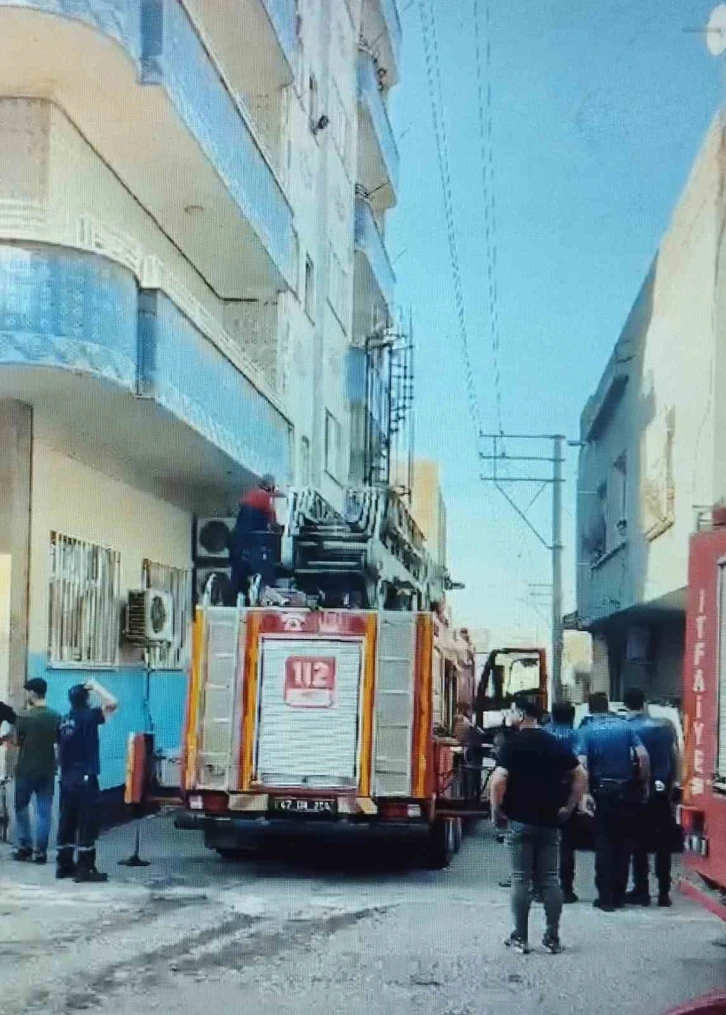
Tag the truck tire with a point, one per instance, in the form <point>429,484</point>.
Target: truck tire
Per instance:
<point>458,834</point>
<point>441,844</point>
<point>234,854</point>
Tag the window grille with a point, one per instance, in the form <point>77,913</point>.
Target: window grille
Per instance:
<point>177,582</point>
<point>84,616</point>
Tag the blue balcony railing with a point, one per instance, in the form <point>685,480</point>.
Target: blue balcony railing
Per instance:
<point>392,19</point>
<point>174,57</point>
<point>368,239</point>
<point>283,17</point>
<point>372,100</point>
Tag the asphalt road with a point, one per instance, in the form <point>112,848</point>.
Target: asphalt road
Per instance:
<point>337,928</point>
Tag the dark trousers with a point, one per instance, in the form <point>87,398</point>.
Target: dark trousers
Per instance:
<point>614,830</point>
<point>567,857</point>
<point>654,835</point>
<point>533,853</point>
<point>78,822</point>
<point>41,788</point>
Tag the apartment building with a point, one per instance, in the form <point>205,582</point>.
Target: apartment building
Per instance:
<point>192,220</point>
<point>653,447</point>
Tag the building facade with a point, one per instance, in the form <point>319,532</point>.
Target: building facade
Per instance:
<point>192,214</point>
<point>653,447</point>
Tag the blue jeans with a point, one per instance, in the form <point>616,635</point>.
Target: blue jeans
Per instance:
<point>534,852</point>
<point>27,787</point>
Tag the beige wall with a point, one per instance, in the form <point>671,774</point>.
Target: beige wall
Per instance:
<point>428,506</point>
<point>75,500</point>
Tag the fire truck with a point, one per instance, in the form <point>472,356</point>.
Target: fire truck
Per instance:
<point>703,812</point>
<point>331,697</point>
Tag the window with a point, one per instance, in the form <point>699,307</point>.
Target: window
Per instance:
<point>333,446</point>
<point>659,494</point>
<point>304,477</point>
<point>177,582</point>
<point>619,488</point>
<point>313,102</point>
<point>309,288</point>
<point>337,286</point>
<point>340,127</point>
<point>84,616</point>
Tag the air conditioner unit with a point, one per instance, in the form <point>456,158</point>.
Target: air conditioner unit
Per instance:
<point>149,617</point>
<point>221,587</point>
<point>212,538</point>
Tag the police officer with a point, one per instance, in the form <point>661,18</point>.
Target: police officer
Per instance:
<point>655,829</point>
<point>618,771</point>
<point>562,727</point>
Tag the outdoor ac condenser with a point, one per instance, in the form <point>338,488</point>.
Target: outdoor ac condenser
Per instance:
<point>149,617</point>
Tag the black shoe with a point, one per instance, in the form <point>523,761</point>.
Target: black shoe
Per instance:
<point>606,907</point>
<point>637,898</point>
<point>551,943</point>
<point>23,855</point>
<point>665,901</point>
<point>91,876</point>
<point>65,872</point>
<point>517,944</point>
<point>569,897</point>
<point>40,856</point>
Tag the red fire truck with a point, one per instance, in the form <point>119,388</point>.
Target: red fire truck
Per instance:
<point>703,813</point>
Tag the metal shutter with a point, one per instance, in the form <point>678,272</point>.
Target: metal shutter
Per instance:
<point>394,704</point>
<point>309,747</point>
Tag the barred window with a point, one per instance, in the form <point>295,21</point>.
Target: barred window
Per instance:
<point>84,617</point>
<point>177,582</point>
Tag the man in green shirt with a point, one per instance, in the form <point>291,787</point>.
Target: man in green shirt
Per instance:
<point>36,734</point>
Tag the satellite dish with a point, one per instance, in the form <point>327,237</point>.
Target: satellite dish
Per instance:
<point>716,31</point>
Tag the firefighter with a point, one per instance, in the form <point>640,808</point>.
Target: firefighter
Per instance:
<point>562,727</point>
<point>250,547</point>
<point>656,827</point>
<point>618,772</point>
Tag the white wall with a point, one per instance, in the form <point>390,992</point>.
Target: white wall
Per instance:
<point>75,500</point>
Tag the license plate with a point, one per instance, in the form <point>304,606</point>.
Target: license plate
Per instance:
<point>302,805</point>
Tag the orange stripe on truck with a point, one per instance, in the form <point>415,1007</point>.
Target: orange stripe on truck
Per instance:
<point>369,698</point>
<point>249,717</point>
<point>191,725</point>
<point>422,704</point>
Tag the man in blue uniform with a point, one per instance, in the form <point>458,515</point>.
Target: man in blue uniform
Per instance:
<point>562,727</point>
<point>659,739</point>
<point>79,757</point>
<point>618,772</point>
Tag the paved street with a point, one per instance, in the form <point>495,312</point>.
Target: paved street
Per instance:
<point>302,931</point>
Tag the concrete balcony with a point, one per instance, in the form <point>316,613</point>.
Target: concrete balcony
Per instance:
<point>255,41</point>
<point>374,280</point>
<point>110,368</point>
<point>381,30</point>
<point>136,79</point>
<point>378,158</point>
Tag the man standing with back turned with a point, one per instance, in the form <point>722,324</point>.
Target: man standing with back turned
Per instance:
<point>618,772</point>
<point>527,789</point>
<point>80,769</point>
<point>36,732</point>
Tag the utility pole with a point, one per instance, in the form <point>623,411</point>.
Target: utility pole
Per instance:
<point>556,461</point>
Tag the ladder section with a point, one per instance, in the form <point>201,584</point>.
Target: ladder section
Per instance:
<point>394,704</point>
<point>217,758</point>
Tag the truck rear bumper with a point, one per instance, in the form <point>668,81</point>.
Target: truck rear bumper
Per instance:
<point>224,827</point>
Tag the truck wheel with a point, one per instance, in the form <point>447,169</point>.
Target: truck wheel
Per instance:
<point>458,834</point>
<point>234,854</point>
<point>441,845</point>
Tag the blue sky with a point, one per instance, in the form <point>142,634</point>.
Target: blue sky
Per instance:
<point>599,109</point>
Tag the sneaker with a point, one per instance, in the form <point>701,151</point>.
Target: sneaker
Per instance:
<point>637,898</point>
<point>551,943</point>
<point>569,898</point>
<point>517,944</point>
<point>40,856</point>
<point>23,855</point>
<point>605,907</point>
<point>65,872</point>
<point>90,877</point>
<point>665,901</point>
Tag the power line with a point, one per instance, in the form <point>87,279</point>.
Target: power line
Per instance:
<point>486,138</point>
<point>433,76</point>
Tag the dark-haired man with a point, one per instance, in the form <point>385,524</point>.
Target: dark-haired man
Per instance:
<point>618,772</point>
<point>79,790</point>
<point>527,790</point>
<point>36,731</point>
<point>656,824</point>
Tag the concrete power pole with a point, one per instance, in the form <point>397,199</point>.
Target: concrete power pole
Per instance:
<point>556,480</point>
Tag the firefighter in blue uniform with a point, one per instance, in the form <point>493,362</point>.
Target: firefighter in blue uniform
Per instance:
<point>562,727</point>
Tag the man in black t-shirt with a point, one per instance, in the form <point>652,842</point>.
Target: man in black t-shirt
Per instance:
<point>527,790</point>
